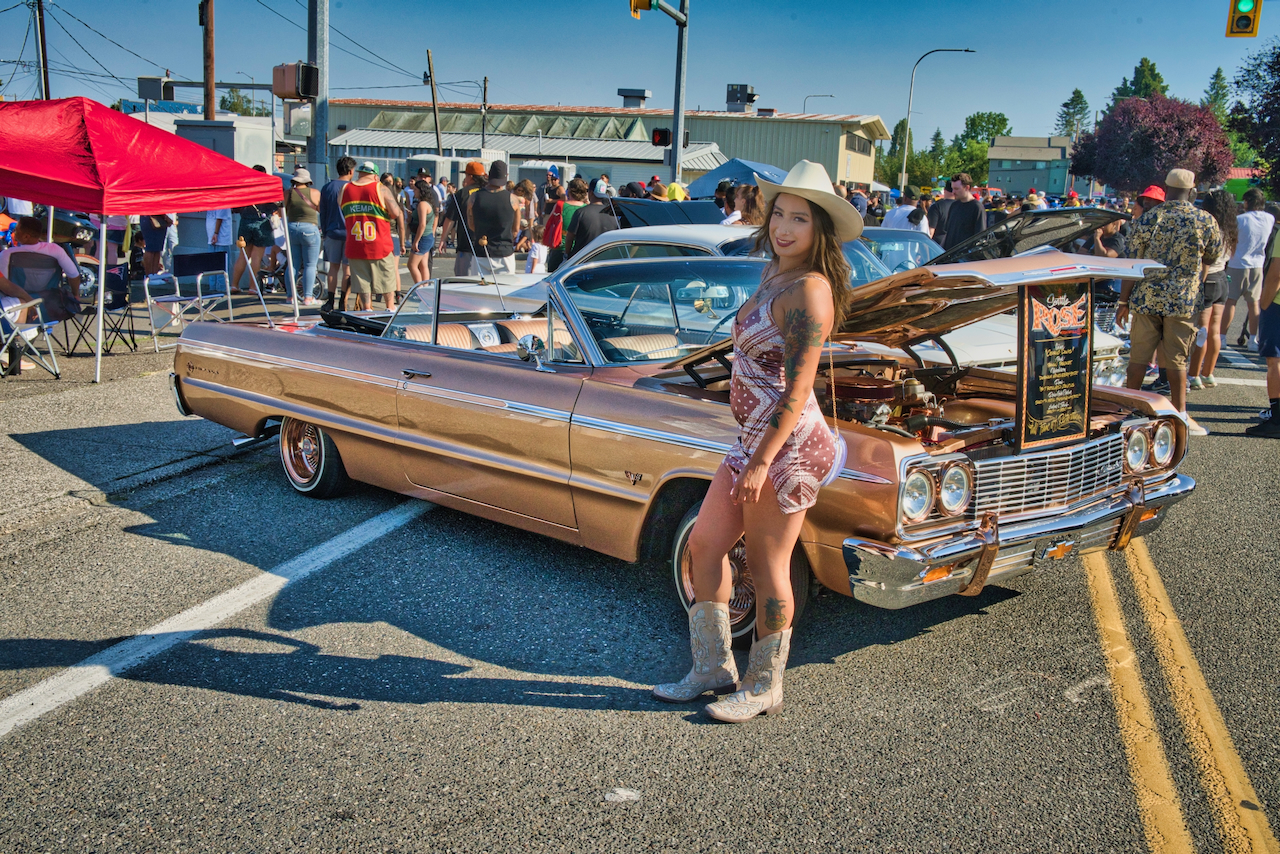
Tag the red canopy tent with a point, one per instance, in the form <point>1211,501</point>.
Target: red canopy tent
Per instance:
<point>76,154</point>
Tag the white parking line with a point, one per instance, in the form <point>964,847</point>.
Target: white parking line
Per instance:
<point>1240,381</point>
<point>79,679</point>
<point>1238,359</point>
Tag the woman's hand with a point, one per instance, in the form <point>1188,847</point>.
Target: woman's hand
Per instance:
<point>750,483</point>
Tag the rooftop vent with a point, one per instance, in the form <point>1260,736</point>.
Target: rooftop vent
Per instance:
<point>634,97</point>
<point>766,112</point>
<point>740,98</point>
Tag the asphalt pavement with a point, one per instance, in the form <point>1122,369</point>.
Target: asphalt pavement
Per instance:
<point>447,684</point>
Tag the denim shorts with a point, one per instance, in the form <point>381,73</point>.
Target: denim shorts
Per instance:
<point>426,244</point>
<point>1269,331</point>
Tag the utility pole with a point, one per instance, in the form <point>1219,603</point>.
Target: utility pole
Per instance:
<point>682,53</point>
<point>206,17</point>
<point>435,108</point>
<point>318,55</point>
<point>44,51</point>
<point>484,112</point>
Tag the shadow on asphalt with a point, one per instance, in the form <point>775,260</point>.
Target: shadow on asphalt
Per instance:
<point>554,614</point>
<point>24,653</point>
<point>105,455</point>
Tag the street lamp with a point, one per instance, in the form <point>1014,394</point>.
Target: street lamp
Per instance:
<point>906,141</point>
<point>805,108</point>
<point>253,106</point>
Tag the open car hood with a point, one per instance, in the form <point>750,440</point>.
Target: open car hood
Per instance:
<point>1026,231</point>
<point>927,301</point>
<point>633,213</point>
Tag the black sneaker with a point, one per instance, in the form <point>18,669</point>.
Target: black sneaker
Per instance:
<point>1269,429</point>
<point>1161,387</point>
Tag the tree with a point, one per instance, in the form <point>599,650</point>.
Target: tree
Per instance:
<point>938,144</point>
<point>1141,140</point>
<point>971,158</point>
<point>1147,81</point>
<point>1216,96</point>
<point>1256,119</point>
<point>982,127</point>
<point>1121,93</point>
<point>241,104</point>
<point>895,144</point>
<point>1074,115</point>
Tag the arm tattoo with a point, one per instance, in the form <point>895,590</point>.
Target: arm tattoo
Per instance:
<point>785,406</point>
<point>774,618</point>
<point>799,332</point>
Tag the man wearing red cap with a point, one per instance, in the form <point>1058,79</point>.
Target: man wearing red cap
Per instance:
<point>1183,239</point>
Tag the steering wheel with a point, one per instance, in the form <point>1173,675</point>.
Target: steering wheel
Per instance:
<point>716,328</point>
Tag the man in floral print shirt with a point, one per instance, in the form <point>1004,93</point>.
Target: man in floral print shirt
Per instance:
<point>1183,239</point>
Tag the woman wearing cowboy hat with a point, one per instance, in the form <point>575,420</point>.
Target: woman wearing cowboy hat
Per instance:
<point>771,477</point>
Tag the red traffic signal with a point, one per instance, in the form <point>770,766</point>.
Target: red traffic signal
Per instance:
<point>661,137</point>
<point>1242,18</point>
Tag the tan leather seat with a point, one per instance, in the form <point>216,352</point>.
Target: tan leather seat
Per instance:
<point>456,335</point>
<point>513,330</point>
<point>633,347</point>
<point>418,332</point>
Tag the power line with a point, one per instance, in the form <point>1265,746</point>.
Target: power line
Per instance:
<point>20,52</point>
<point>376,56</point>
<point>82,48</point>
<point>108,38</point>
<point>296,25</point>
<point>11,8</point>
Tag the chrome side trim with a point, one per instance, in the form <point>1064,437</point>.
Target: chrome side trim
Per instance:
<point>183,409</point>
<point>313,415</point>
<point>652,435</point>
<point>863,477</point>
<point>203,348</point>
<point>485,401</point>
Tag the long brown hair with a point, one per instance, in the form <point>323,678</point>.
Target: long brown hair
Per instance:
<point>826,256</point>
<point>751,208</point>
<point>1221,205</point>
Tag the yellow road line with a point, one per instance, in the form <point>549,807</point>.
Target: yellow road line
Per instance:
<point>1241,821</point>
<point>1158,803</point>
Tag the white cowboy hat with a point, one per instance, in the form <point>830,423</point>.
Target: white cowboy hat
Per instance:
<point>810,181</point>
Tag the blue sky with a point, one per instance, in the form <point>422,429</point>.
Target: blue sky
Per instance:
<point>1031,54</point>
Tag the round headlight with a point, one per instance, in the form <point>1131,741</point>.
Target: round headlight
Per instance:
<point>1162,442</point>
<point>955,489</point>
<point>917,496</point>
<point>1135,450</point>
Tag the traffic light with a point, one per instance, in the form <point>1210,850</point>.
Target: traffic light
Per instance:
<point>661,137</point>
<point>638,6</point>
<point>1242,19</point>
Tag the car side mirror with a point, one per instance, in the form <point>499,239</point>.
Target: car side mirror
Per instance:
<point>532,347</point>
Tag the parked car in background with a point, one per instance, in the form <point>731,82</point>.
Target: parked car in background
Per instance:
<point>900,248</point>
<point>991,343</point>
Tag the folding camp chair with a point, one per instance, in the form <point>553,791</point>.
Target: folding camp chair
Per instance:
<point>41,276</point>
<point>18,339</point>
<point>173,308</point>
<point>117,320</point>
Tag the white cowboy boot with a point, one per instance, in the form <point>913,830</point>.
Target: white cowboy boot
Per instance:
<point>713,664</point>
<point>761,690</point>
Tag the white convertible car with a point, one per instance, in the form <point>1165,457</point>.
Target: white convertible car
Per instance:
<point>991,343</point>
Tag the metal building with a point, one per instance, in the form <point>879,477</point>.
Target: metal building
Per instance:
<point>844,144</point>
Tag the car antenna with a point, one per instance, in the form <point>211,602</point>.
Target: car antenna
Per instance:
<point>484,244</point>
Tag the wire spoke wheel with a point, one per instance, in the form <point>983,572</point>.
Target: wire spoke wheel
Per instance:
<point>310,459</point>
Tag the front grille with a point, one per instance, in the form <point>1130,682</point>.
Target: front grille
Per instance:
<point>1058,478</point>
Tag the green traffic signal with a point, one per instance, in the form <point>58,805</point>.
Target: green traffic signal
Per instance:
<point>1244,6</point>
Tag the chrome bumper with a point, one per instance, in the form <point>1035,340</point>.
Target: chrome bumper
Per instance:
<point>890,576</point>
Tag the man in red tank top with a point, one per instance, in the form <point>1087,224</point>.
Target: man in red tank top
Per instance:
<point>369,211</point>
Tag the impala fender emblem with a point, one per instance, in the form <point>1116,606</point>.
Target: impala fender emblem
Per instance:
<point>1056,550</point>
<point>634,477</point>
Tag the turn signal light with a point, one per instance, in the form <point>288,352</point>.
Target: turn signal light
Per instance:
<point>938,573</point>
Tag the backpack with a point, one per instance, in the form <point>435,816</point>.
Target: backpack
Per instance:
<point>554,232</point>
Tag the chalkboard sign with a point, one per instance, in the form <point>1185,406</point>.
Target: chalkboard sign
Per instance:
<point>1055,363</point>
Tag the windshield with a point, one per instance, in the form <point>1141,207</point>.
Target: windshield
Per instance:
<point>901,249</point>
<point>641,312</point>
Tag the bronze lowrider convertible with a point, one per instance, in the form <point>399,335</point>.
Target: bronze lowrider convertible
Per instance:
<point>599,418</point>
